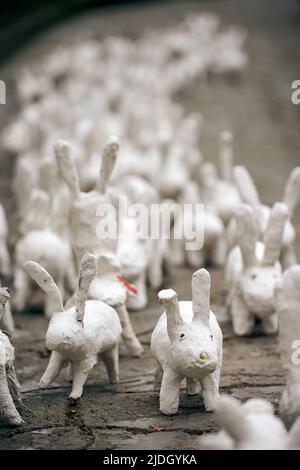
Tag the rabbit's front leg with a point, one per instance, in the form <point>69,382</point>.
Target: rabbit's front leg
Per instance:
<point>242,319</point>
<point>169,391</point>
<point>80,375</point>
<point>270,324</point>
<point>53,369</point>
<point>111,362</point>
<point>210,390</point>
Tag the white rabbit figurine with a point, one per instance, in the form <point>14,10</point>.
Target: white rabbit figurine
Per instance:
<point>253,270</point>
<point>214,249</point>
<point>250,196</point>
<point>187,343</point>
<point>9,385</point>
<point>4,254</point>
<point>80,334</point>
<point>84,210</point>
<point>41,243</point>
<point>85,206</point>
<point>250,426</point>
<point>287,301</point>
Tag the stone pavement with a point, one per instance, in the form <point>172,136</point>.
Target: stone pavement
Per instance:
<point>258,110</point>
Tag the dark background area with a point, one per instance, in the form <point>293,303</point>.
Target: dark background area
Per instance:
<point>21,20</point>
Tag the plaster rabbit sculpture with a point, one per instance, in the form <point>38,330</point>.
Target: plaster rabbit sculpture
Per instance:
<point>220,192</point>
<point>9,385</point>
<point>253,270</point>
<point>4,254</point>
<point>189,221</point>
<point>85,207</point>
<point>250,196</point>
<point>41,244</point>
<point>248,426</point>
<point>80,334</point>
<point>287,301</point>
<point>187,343</point>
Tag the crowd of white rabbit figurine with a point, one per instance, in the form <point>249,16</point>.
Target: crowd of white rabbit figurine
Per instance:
<point>59,185</point>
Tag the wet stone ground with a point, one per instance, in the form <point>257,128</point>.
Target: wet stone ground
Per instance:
<point>259,111</point>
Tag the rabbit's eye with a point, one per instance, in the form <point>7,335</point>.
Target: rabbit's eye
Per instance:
<point>182,336</point>
<point>211,337</point>
<point>254,276</point>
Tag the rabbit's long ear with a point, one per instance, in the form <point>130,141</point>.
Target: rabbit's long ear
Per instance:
<point>287,303</point>
<point>226,156</point>
<point>108,162</point>
<point>201,295</point>
<point>232,418</point>
<point>46,282</point>
<point>246,233</point>
<point>87,272</point>
<point>67,166</point>
<point>292,190</point>
<point>246,186</point>
<point>170,301</point>
<point>274,233</point>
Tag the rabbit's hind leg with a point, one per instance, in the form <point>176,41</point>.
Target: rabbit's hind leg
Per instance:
<point>111,362</point>
<point>158,373</point>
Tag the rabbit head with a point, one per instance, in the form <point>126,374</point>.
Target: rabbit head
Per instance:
<point>193,345</point>
<point>258,279</point>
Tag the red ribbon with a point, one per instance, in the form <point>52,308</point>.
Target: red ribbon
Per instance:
<point>128,286</point>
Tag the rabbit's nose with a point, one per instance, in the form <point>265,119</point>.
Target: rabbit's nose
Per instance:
<point>203,356</point>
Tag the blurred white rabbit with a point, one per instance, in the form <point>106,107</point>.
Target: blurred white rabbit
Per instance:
<point>253,268</point>
<point>249,426</point>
